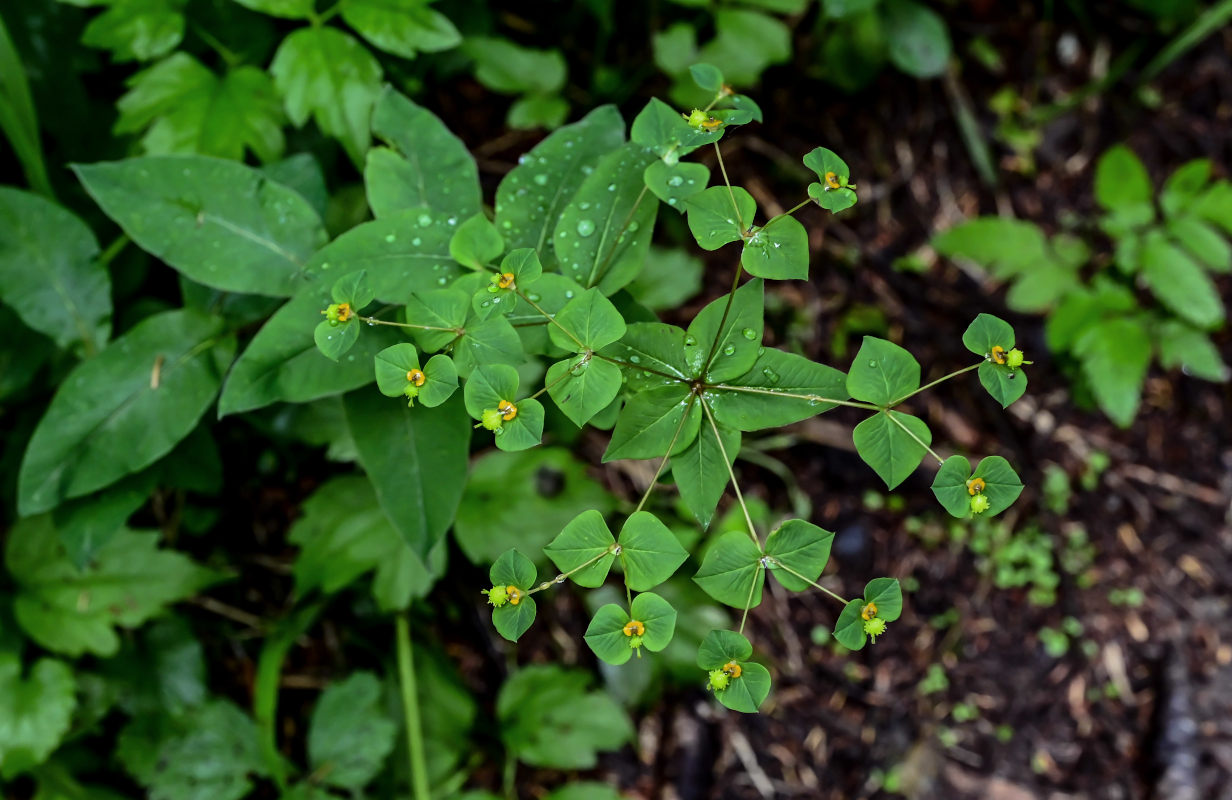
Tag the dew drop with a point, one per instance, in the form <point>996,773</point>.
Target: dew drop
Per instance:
<point>749,334</point>
<point>425,220</point>
<point>729,350</point>
<point>569,294</point>
<point>872,363</point>
<point>389,237</point>
<point>771,375</point>
<point>416,241</point>
<point>585,227</point>
<point>675,180</point>
<point>541,179</point>
<point>635,359</point>
<point>611,187</point>
<point>690,341</point>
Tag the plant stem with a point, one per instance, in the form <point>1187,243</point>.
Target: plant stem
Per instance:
<point>562,376</point>
<point>727,462</point>
<point>631,365</point>
<point>787,213</point>
<point>375,321</point>
<point>794,396</point>
<point>266,683</point>
<point>560,578</point>
<point>718,334</point>
<point>114,249</point>
<point>752,588</point>
<point>942,379</point>
<point>667,455</point>
<point>730,192</point>
<point>552,320</point>
<point>410,709</point>
<point>602,268</point>
<point>917,439</point>
<point>814,584</point>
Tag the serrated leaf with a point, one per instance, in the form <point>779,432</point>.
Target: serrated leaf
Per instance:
<point>582,387</point>
<point>587,537</point>
<point>214,756</point>
<point>1180,284</point>
<point>732,349</point>
<point>712,216</point>
<point>1191,350</point>
<point>654,423</point>
<point>1115,355</point>
<point>35,712</point>
<point>219,223</point>
<point>349,736</point>
<point>779,251</point>
<point>416,460</point>
<point>74,612</point>
<point>326,74</point>
<point>891,451</point>
<point>137,30</point>
<point>649,552</point>
<point>402,27</point>
<point>1121,180</point>
<point>701,471</point>
<point>732,571</point>
<point>776,371</point>
<point>48,274</point>
<point>184,108</point>
<point>122,410</point>
<point>424,165</point>
<point>801,547</point>
<point>603,234</point>
<point>538,712</point>
<point>950,486</point>
<point>1184,186</point>
<point>1203,242</point>
<point>882,373</point>
<point>532,196</point>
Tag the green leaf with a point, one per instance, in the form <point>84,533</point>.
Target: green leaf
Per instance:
<point>513,569</point>
<point>735,345</point>
<point>887,595</point>
<point>801,547</point>
<point>402,27</point>
<point>605,635</point>
<point>586,537</point>
<point>891,451</point>
<point>512,620</point>
<point>1004,384</point>
<point>326,74</point>
<point>335,340</point>
<point>1121,181</point>
<point>720,647</point>
<point>287,9</point>
<point>416,460</point>
<point>661,129</point>
<point>87,523</point>
<point>582,386</point>
<point>48,274</point>
<point>674,184</point>
<point>537,111</point>
<point>701,471</point>
<point>1215,206</point>
<point>137,30</point>
<point>489,341</point>
<point>919,42</point>
<point>882,373</point>
<point>1115,355</point>
<point>476,243</point>
<point>488,387</point>
<point>593,321</point>
<point>712,218</point>
<point>1005,247</point>
<point>731,572</point>
<point>1001,486</point>
<point>74,612</point>
<point>746,693</point>
<point>439,308</point>
<point>986,332</point>
<point>826,163</point>
<point>35,712</point>
<point>522,500</point>
<point>532,196</point>
<point>349,736</point>
<point>746,42</point>
<point>707,77</point>
<point>1184,186</point>
<point>122,410</point>
<point>779,251</point>
<point>1180,284</point>
<point>657,353</point>
<point>659,618</point>
<point>424,165</point>
<point>214,756</point>
<point>343,534</point>
<point>1191,350</point>
<point>654,423</point>
<point>508,68</point>
<point>849,628</point>
<point>777,371</point>
<point>671,277</point>
<point>184,108</point>
<point>950,486</point>
<point>547,718</point>
<point>603,234</point>
<point>218,222</point>
<point>649,552</point>
<point>1203,242</point>
<point>393,364</point>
